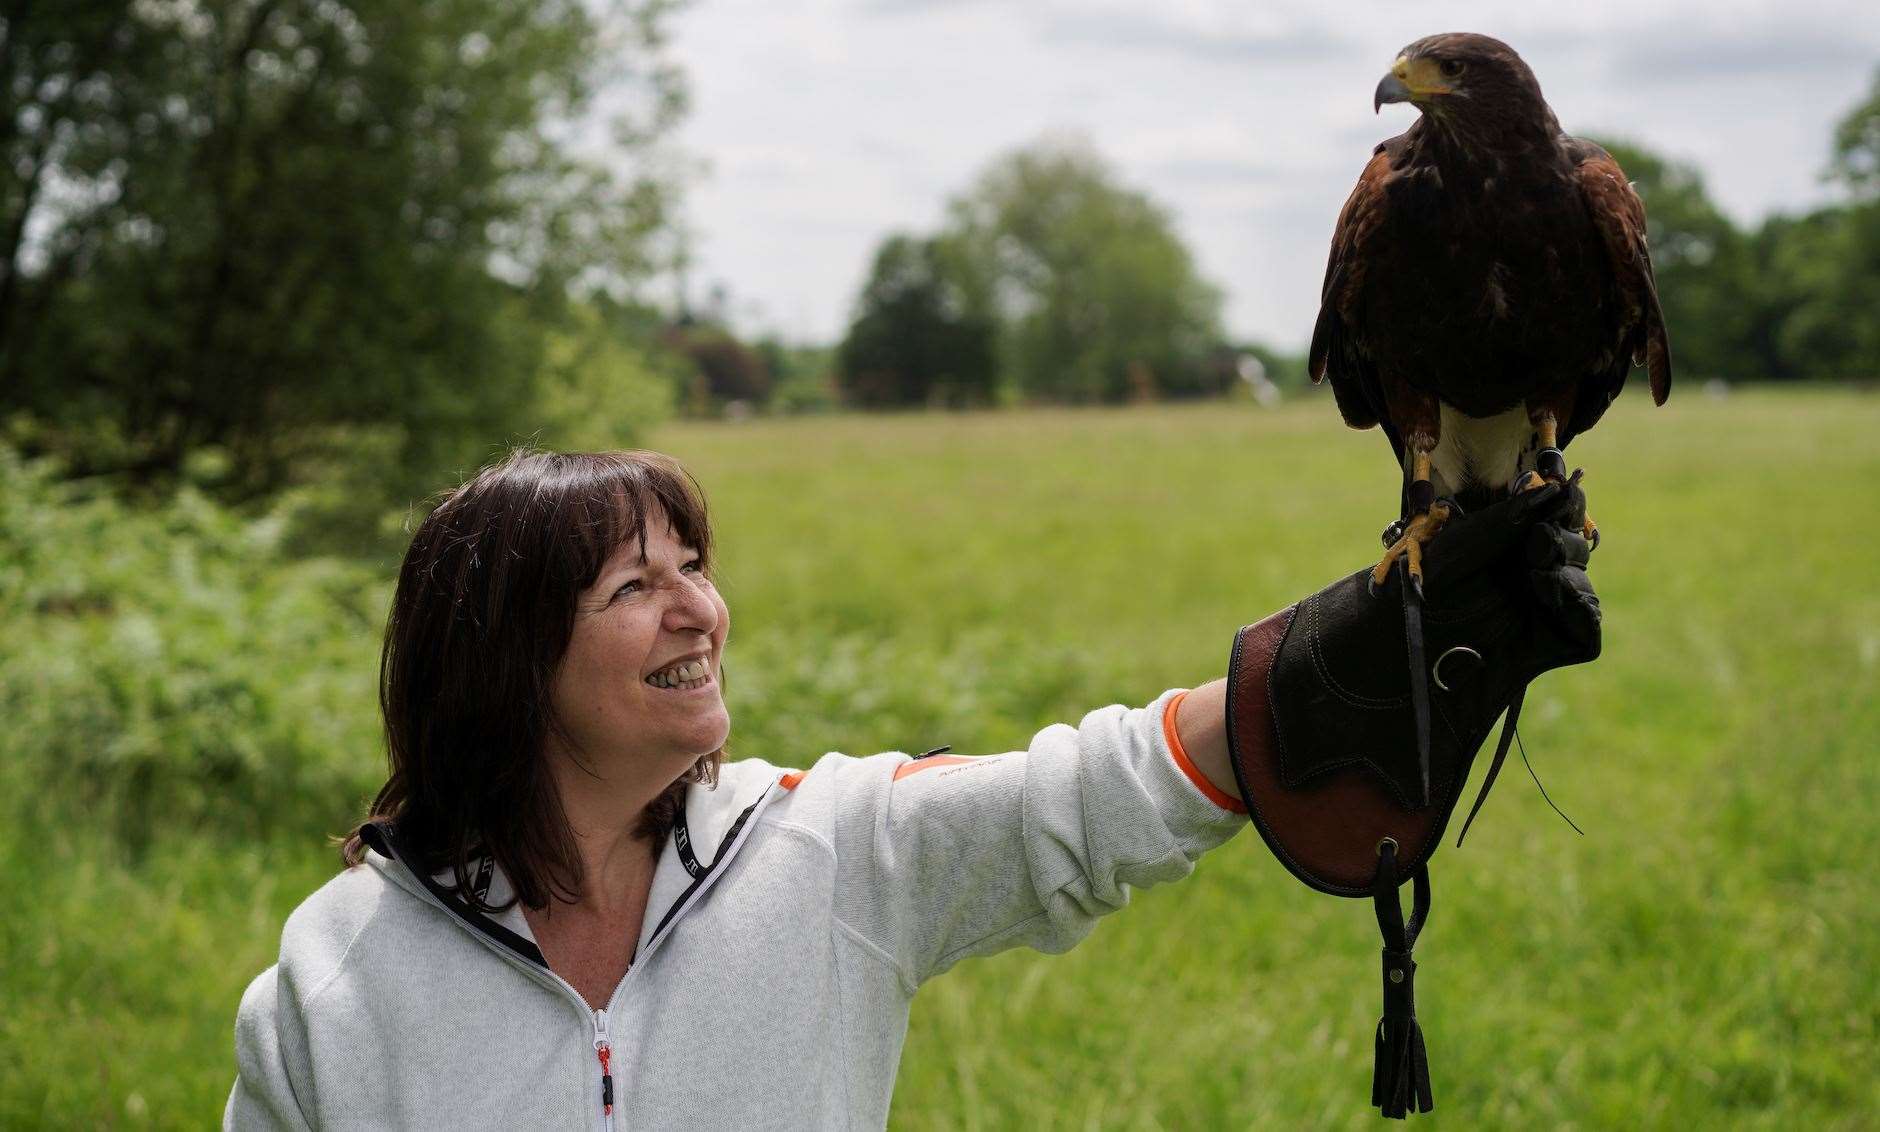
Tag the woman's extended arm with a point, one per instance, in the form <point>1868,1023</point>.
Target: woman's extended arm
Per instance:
<point>942,858</point>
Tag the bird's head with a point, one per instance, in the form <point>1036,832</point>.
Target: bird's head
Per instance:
<point>1459,76</point>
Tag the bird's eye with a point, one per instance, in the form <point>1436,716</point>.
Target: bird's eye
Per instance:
<point>1450,68</point>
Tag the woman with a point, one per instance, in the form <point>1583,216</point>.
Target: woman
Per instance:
<point>564,907</point>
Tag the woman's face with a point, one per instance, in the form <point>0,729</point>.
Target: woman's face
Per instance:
<point>638,689</point>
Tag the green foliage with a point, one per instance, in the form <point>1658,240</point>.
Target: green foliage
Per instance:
<point>165,668</point>
<point>243,224</point>
<point>1096,297</point>
<point>599,390</point>
<point>914,340</point>
<point>1821,291</point>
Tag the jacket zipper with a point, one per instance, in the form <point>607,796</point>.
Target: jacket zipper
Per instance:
<point>603,1051</point>
<point>605,1055</point>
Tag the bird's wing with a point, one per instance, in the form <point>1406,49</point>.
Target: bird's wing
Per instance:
<point>1619,216</point>
<point>1338,350</point>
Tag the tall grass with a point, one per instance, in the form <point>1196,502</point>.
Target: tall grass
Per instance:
<point>1703,957</point>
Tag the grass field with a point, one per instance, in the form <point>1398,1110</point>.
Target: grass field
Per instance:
<point>1704,957</point>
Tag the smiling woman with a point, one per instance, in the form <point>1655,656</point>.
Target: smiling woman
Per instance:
<point>525,600</point>
<point>563,901</point>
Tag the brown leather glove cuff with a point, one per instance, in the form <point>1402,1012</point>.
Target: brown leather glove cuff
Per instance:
<point>1325,831</point>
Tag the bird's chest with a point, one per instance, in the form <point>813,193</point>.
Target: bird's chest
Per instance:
<point>1487,254</point>
<point>1480,275</point>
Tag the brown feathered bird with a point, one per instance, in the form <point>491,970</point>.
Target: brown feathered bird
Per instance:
<point>1489,287</point>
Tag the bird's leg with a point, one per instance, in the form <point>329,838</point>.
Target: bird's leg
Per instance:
<point>1427,516</point>
<point>1552,467</point>
<point>1549,461</point>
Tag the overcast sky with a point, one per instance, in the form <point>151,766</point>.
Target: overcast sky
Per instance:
<point>827,124</point>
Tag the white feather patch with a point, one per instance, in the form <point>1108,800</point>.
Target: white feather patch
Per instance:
<point>1480,451</point>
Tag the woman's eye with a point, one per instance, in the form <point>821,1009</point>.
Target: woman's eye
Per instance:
<point>1452,67</point>
<point>633,587</point>
<point>695,566</point>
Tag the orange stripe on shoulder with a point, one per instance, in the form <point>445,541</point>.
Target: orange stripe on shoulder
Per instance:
<point>789,781</point>
<point>1215,794</point>
<point>929,763</point>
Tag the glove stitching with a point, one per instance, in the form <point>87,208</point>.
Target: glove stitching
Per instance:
<point>1355,699</point>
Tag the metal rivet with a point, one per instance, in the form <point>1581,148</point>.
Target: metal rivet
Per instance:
<point>1396,974</point>
<point>1383,841</point>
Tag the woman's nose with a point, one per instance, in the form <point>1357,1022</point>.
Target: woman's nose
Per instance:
<point>691,607</point>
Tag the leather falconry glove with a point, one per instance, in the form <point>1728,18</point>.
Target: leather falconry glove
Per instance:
<point>1353,718</point>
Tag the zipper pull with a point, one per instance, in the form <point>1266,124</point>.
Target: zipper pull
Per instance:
<point>605,1054</point>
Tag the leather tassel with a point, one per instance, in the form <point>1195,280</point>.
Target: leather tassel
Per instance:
<point>1400,1066</point>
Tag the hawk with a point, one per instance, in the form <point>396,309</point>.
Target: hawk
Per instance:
<point>1489,287</point>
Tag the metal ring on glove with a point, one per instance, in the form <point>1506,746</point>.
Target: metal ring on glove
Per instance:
<point>1436,670</point>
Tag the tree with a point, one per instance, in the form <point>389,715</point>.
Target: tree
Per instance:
<point>1096,296</point>
<point>914,339</point>
<point>1856,162</point>
<point>1820,276</point>
<point>1823,269</point>
<point>243,224</point>
<point>718,368</point>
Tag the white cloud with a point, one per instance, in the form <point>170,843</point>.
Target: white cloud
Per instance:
<point>828,124</point>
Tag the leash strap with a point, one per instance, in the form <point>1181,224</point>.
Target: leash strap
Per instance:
<point>1494,768</point>
<point>1400,1076</point>
<point>1419,670</point>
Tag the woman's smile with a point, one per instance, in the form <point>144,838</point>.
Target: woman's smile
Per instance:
<point>691,676</point>
<point>682,671</point>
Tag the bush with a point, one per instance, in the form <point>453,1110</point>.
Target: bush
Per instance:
<point>167,664</point>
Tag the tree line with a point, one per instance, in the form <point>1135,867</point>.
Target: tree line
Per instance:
<point>260,242</point>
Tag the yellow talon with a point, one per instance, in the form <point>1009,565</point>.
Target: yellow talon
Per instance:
<point>1421,529</point>
<point>1531,481</point>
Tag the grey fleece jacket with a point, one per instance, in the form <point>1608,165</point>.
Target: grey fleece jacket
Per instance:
<point>770,990</point>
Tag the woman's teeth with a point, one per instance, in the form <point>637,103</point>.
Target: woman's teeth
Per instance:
<point>691,674</point>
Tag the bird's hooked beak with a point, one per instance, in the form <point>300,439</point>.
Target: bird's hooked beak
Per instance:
<point>1391,89</point>
<point>1409,80</point>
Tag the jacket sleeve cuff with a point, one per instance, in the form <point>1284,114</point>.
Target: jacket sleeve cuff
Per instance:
<point>1194,822</point>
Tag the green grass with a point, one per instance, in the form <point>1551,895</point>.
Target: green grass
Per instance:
<point>1704,957</point>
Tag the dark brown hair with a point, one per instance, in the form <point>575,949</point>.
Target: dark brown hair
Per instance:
<point>482,615</point>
